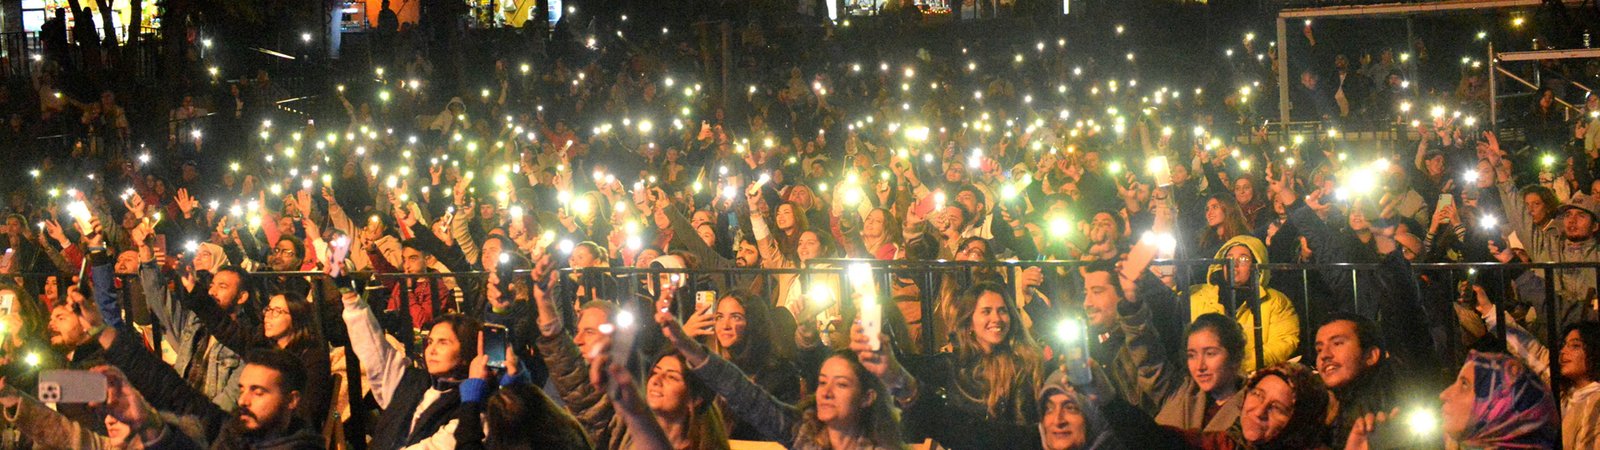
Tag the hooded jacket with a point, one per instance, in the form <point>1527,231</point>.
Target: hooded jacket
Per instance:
<point>1280,329</point>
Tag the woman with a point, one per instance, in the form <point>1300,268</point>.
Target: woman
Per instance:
<point>288,322</point>
<point>1285,407</point>
<point>743,334</point>
<point>1211,398</point>
<point>878,238</point>
<point>419,404</point>
<point>1224,221</point>
<point>1494,403</point>
<point>790,222</point>
<point>682,405</point>
<point>849,410</point>
<point>997,366</point>
<point>1580,406</point>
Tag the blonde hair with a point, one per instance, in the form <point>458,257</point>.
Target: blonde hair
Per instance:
<point>1010,371</point>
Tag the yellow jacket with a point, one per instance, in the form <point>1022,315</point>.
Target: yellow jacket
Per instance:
<point>1281,329</point>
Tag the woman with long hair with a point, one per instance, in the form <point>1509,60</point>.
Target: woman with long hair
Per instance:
<point>849,409</point>
<point>683,406</point>
<point>744,335</point>
<point>997,365</point>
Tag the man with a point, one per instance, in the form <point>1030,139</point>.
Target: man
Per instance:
<point>1353,363</point>
<point>1350,89</point>
<point>1575,242</point>
<point>1124,345</point>
<point>264,418</point>
<point>208,366</point>
<point>988,224</point>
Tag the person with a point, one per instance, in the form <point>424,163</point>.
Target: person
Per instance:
<point>419,405</point>
<point>286,324</point>
<point>1120,308</point>
<point>1285,407</point>
<point>517,416</point>
<point>1580,404</point>
<point>1352,362</point>
<point>679,403</point>
<point>996,365</point>
<point>1280,330</point>
<point>742,333</point>
<point>1210,400</point>
<point>212,368</point>
<point>1494,402</point>
<point>1070,420</point>
<point>850,407</point>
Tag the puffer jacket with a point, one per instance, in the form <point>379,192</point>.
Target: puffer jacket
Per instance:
<point>1280,330</point>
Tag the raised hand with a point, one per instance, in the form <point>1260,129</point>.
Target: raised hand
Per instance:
<point>186,204</point>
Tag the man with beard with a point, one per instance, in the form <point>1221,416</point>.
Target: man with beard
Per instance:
<point>1125,346</point>
<point>671,220</point>
<point>264,417</point>
<point>1356,368</point>
<point>209,367</point>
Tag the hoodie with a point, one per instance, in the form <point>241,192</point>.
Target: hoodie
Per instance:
<point>1280,329</point>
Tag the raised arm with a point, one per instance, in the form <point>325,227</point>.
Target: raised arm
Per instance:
<point>384,364</point>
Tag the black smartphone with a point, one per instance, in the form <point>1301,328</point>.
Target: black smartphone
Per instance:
<point>495,338</point>
<point>1414,429</point>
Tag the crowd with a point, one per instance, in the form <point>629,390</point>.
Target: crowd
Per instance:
<point>602,247</point>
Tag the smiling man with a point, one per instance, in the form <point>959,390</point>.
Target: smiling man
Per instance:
<point>1353,363</point>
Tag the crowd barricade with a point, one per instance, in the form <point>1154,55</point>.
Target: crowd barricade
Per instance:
<point>847,275</point>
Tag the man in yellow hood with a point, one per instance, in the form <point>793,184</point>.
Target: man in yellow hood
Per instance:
<point>1280,330</point>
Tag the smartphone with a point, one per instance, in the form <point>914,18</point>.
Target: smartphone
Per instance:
<point>1074,340</point>
<point>624,328</point>
<point>704,300</point>
<point>1446,199</point>
<point>8,302</point>
<point>71,386</point>
<point>494,339</point>
<point>1398,432</point>
<point>160,250</point>
<point>871,319</point>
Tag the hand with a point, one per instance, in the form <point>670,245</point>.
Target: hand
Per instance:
<point>186,204</point>
<point>350,298</point>
<point>480,364</point>
<point>1364,426</point>
<point>881,362</point>
<point>135,204</point>
<point>701,323</point>
<point>1031,277</point>
<point>126,405</point>
<point>53,229</point>
<point>93,237</point>
<point>693,353</point>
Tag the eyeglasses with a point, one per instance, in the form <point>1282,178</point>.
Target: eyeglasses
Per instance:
<point>283,251</point>
<point>274,311</point>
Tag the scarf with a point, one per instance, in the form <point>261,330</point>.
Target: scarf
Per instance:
<point>1511,409</point>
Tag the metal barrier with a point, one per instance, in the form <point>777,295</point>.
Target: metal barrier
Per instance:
<point>616,283</point>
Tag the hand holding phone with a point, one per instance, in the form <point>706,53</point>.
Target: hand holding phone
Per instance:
<point>495,338</point>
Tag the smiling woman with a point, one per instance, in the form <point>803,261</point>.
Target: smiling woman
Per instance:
<point>997,365</point>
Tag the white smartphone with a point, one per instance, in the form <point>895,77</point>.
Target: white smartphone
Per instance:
<point>871,318</point>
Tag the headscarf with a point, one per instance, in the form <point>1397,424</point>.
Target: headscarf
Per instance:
<point>219,258</point>
<point>1511,408</point>
<point>1097,431</point>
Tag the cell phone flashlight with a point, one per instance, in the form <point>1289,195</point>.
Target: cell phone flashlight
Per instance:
<point>623,329</point>
<point>871,318</point>
<point>494,339</point>
<point>1413,428</point>
<point>1073,337</point>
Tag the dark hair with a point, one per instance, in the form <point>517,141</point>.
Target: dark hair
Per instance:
<point>291,371</point>
<point>878,423</point>
<point>1308,422</point>
<point>466,329</point>
<point>705,424</point>
<point>754,349</point>
<point>1110,269</point>
<point>520,416</point>
<point>1228,332</point>
<point>245,285</point>
<point>1589,334</point>
<point>302,318</point>
<point>1366,329</point>
<point>299,246</point>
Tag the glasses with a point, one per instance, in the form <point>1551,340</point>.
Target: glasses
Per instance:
<point>274,311</point>
<point>283,251</point>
